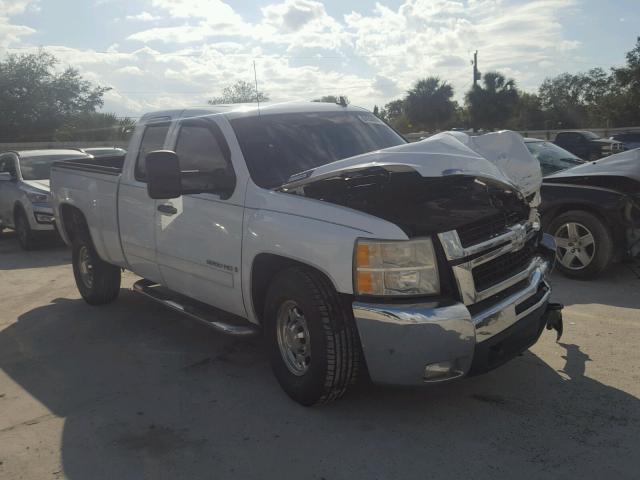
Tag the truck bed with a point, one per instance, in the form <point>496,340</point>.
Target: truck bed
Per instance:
<point>91,185</point>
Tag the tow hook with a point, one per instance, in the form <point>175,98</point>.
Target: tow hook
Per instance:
<point>554,318</point>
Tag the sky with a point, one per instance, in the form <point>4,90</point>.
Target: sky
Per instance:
<point>157,54</point>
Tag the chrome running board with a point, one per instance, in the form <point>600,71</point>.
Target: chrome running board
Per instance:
<point>221,321</point>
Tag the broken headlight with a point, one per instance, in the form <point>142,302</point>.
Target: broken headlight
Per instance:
<point>395,268</point>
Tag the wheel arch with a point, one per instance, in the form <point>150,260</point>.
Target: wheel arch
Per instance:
<point>264,268</point>
<point>72,222</point>
<point>549,215</point>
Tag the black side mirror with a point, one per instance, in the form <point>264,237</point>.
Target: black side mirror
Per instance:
<point>163,175</point>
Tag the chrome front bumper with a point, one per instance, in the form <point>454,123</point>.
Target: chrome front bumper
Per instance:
<point>400,341</point>
<point>414,344</point>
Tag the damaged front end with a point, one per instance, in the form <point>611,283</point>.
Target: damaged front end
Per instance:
<point>477,200</point>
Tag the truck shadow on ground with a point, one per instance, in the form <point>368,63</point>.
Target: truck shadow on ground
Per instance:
<point>146,393</point>
<point>49,252</point>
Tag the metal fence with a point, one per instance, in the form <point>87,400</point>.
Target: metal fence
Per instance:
<point>4,147</point>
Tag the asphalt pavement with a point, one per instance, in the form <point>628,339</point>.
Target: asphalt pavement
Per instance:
<point>135,391</point>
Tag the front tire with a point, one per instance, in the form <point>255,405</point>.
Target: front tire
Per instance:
<point>310,337</point>
<point>98,281</point>
<point>584,244</point>
<point>26,237</point>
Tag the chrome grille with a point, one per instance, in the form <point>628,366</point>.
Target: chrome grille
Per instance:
<point>489,267</point>
<point>503,267</point>
<point>488,227</point>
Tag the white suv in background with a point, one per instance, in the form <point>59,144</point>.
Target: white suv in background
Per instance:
<point>25,202</point>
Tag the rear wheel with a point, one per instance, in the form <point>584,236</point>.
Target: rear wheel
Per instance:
<point>26,237</point>
<point>584,244</point>
<point>98,281</point>
<point>311,338</point>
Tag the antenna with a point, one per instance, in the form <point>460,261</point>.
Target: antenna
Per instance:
<point>255,76</point>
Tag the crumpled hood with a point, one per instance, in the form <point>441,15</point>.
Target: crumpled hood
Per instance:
<point>39,184</point>
<point>624,164</point>
<point>500,156</point>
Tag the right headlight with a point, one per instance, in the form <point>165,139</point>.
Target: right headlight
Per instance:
<point>396,268</point>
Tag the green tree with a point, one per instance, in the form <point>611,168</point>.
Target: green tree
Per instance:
<point>584,99</point>
<point>429,104</point>
<point>626,100</point>
<point>332,99</point>
<point>527,113</point>
<point>36,100</point>
<point>561,97</point>
<point>95,127</point>
<point>394,114</point>
<point>492,104</point>
<point>240,92</point>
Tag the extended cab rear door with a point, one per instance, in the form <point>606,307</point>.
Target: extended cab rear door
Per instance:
<point>199,236</point>
<point>136,210</point>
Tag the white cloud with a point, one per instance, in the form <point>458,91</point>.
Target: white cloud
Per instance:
<point>9,8</point>
<point>438,37</point>
<point>10,33</point>
<point>143,17</point>
<point>130,70</point>
<point>302,52</point>
<point>292,15</point>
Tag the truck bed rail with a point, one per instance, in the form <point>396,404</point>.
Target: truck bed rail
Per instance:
<point>111,165</point>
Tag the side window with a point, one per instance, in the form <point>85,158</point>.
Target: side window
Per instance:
<point>205,159</point>
<point>152,139</point>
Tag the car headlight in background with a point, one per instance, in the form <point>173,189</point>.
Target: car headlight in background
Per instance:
<point>396,268</point>
<point>36,197</point>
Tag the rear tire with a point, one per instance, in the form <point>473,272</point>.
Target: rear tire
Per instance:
<point>26,237</point>
<point>98,281</point>
<point>311,338</point>
<point>581,236</point>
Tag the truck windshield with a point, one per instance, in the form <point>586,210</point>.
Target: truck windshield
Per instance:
<point>38,167</point>
<point>276,146</point>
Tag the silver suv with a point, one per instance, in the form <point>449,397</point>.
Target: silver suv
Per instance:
<point>25,202</point>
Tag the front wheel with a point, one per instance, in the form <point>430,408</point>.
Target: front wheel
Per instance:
<point>311,338</point>
<point>26,237</point>
<point>584,244</point>
<point>98,281</point>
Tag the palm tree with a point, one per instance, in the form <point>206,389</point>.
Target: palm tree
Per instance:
<point>492,104</point>
<point>429,103</point>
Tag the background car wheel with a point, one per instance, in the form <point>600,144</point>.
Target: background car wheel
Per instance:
<point>23,231</point>
<point>97,280</point>
<point>584,244</point>
<point>311,338</point>
<point>593,156</point>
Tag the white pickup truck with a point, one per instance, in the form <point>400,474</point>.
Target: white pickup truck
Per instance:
<point>352,251</point>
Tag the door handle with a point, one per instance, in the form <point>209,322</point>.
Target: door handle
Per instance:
<point>167,209</point>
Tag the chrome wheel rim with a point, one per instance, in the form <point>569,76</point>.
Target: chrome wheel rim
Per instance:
<point>85,266</point>
<point>294,340</point>
<point>576,246</point>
